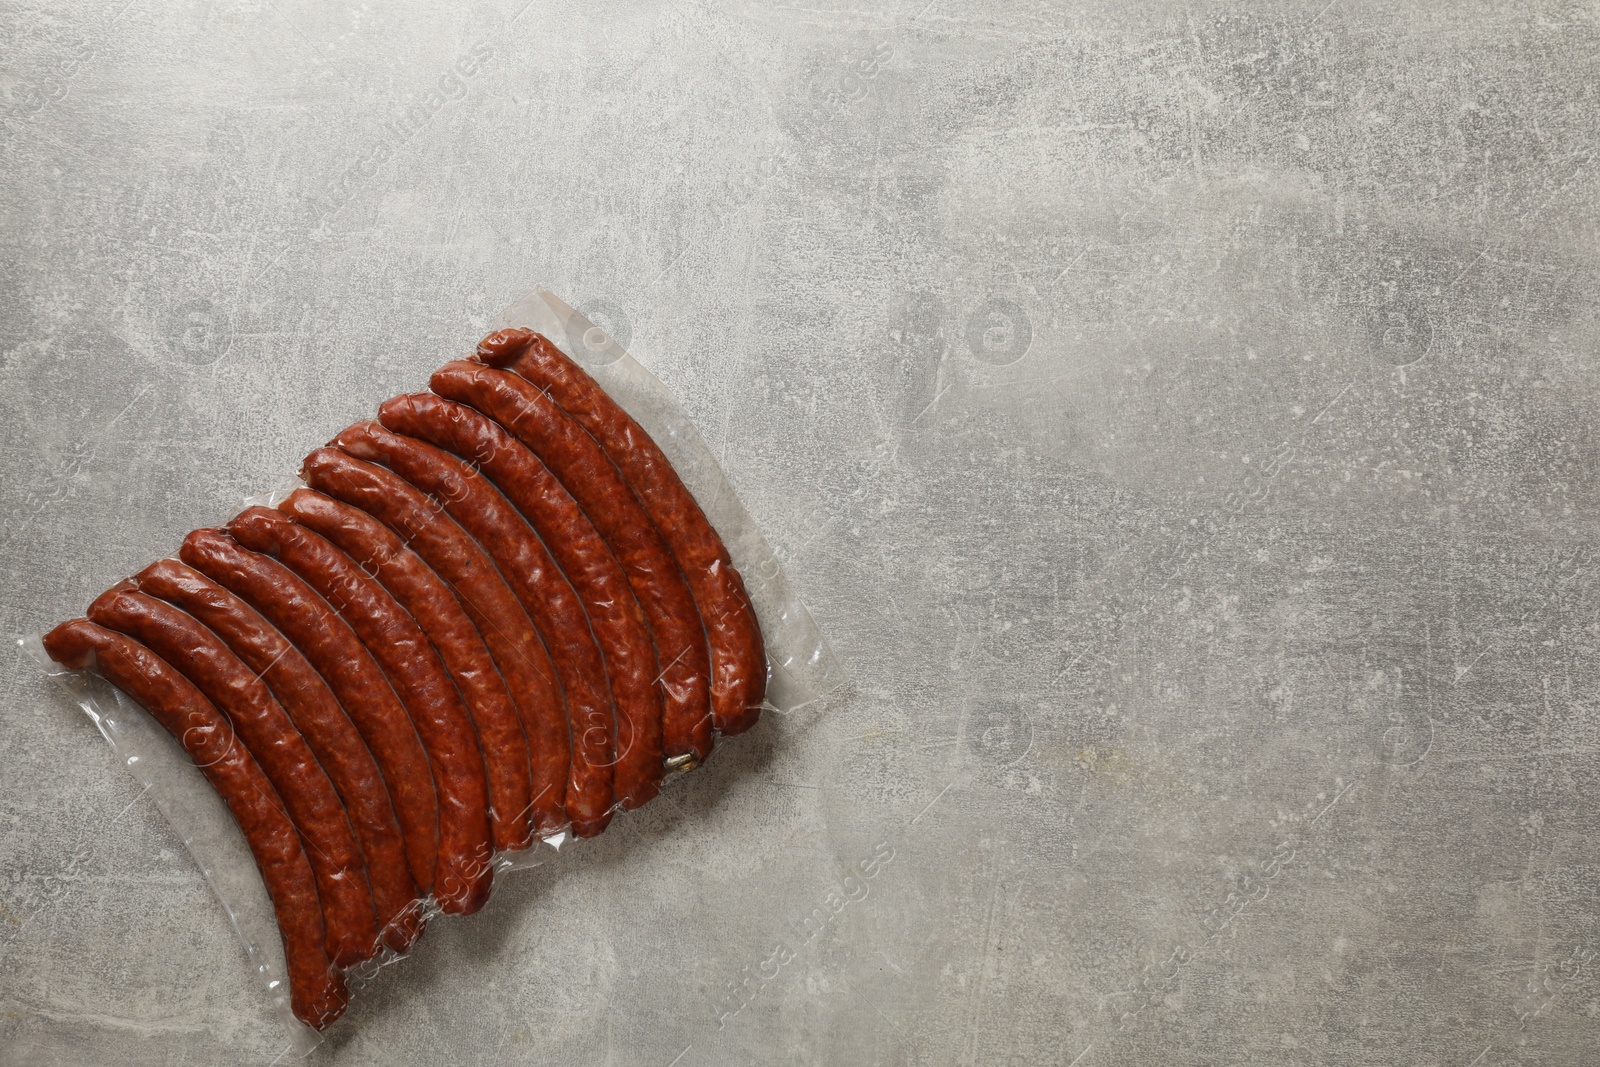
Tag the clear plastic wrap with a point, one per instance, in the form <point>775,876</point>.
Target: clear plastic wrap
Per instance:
<point>801,667</point>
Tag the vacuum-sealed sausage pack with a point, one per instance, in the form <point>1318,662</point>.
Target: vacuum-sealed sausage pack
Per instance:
<point>486,622</point>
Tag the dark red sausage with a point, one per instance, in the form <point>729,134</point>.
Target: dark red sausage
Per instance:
<point>422,593</point>
<point>583,467</point>
<point>500,618</point>
<point>338,655</point>
<point>602,587</point>
<point>316,991</point>
<point>464,875</point>
<point>543,591</point>
<point>738,661</point>
<point>319,718</point>
<point>349,921</point>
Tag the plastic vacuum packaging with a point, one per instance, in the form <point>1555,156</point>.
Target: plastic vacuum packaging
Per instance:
<point>484,625</point>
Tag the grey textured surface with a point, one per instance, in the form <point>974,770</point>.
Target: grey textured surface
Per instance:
<point>1180,417</point>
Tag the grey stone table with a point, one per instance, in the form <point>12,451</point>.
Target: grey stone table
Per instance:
<point>1180,417</point>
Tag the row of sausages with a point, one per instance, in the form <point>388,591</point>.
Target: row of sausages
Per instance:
<point>493,615</point>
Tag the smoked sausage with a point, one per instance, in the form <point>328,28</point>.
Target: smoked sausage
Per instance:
<point>316,713</point>
<point>260,723</point>
<point>614,613</point>
<point>418,521</point>
<point>464,874</point>
<point>344,663</point>
<point>546,595</point>
<point>738,660</point>
<point>317,992</point>
<point>371,546</point>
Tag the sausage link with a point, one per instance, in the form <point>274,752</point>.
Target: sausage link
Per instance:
<point>738,661</point>
<point>338,655</point>
<point>614,613</point>
<point>429,600</point>
<point>583,467</point>
<point>316,991</point>
<point>326,728</point>
<point>349,921</point>
<point>464,874</point>
<point>453,555</point>
<point>543,591</point>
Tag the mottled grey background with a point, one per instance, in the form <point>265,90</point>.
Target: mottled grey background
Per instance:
<point>1180,416</point>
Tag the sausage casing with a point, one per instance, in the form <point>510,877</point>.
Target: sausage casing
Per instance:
<point>518,650</point>
<point>317,993</point>
<point>344,663</point>
<point>738,661</point>
<point>316,713</point>
<point>424,594</point>
<point>464,873</point>
<point>619,624</point>
<point>544,592</point>
<point>259,721</point>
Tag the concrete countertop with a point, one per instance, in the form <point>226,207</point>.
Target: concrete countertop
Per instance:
<point>1180,417</point>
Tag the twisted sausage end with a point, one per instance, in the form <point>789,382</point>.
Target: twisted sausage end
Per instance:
<point>504,346</point>
<point>69,644</point>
